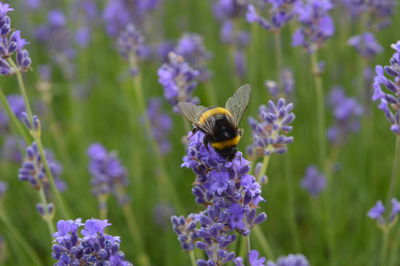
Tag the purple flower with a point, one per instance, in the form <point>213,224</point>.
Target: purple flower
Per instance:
<point>95,247</point>
<point>131,45</point>
<point>366,45</point>
<point>271,128</point>
<point>316,26</point>
<point>161,124</point>
<point>313,181</point>
<point>108,174</point>
<point>346,112</point>
<point>11,150</point>
<point>191,47</point>
<point>229,9</point>
<point>179,80</point>
<point>290,260</point>
<point>389,99</point>
<point>231,197</point>
<point>255,260</point>
<point>17,106</point>
<point>285,89</point>
<point>119,13</point>
<point>162,214</point>
<point>279,12</point>
<point>377,213</point>
<point>82,36</point>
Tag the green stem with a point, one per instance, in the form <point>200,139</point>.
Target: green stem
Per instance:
<point>264,168</point>
<point>164,179</point>
<point>136,234</point>
<point>395,171</point>
<point>49,175</point>
<point>36,137</point>
<point>212,97</point>
<point>384,247</point>
<point>263,242</point>
<point>320,109</point>
<point>103,208</point>
<point>192,258</point>
<point>291,208</point>
<point>19,238</point>
<point>13,118</point>
<point>47,216</point>
<point>278,50</point>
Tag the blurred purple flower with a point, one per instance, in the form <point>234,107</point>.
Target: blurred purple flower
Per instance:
<point>366,45</point>
<point>346,112</point>
<point>161,124</point>
<point>255,259</point>
<point>279,13</point>
<point>94,248</point>
<point>283,90</point>
<point>290,260</point>
<point>313,181</point>
<point>191,47</point>
<point>131,45</point>
<point>390,100</point>
<point>162,214</point>
<point>17,106</point>
<point>316,26</point>
<point>179,80</point>
<point>11,150</point>
<point>119,13</point>
<point>271,128</point>
<point>108,174</point>
<point>378,210</point>
<point>229,9</point>
<point>231,197</point>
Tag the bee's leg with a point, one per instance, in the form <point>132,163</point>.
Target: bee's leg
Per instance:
<point>206,140</point>
<point>194,130</point>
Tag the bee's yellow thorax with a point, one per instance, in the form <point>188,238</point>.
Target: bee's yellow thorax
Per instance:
<point>211,112</point>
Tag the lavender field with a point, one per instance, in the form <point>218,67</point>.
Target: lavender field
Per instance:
<point>200,132</point>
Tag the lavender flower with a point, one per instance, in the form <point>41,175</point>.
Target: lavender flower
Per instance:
<point>378,210</point>
<point>390,100</point>
<point>132,46</point>
<point>11,150</point>
<point>284,90</point>
<point>273,121</point>
<point>56,37</point>
<point>231,197</point>
<point>316,26</point>
<point>179,80</point>
<point>229,9</point>
<point>162,214</point>
<point>191,47</point>
<point>366,45</point>
<point>161,124</point>
<point>119,13</point>
<point>33,171</point>
<point>254,258</point>
<point>290,260</point>
<point>108,174</point>
<point>313,181</point>
<point>347,113</point>
<point>11,44</point>
<point>93,246</point>
<point>280,12</point>
<point>17,106</point>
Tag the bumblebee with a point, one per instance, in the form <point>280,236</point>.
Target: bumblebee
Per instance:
<point>220,125</point>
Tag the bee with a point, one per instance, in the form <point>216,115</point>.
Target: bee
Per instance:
<point>220,125</point>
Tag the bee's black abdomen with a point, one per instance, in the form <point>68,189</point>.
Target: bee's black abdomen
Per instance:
<point>227,153</point>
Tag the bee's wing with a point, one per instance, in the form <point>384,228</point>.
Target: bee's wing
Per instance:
<point>191,112</point>
<point>237,104</point>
